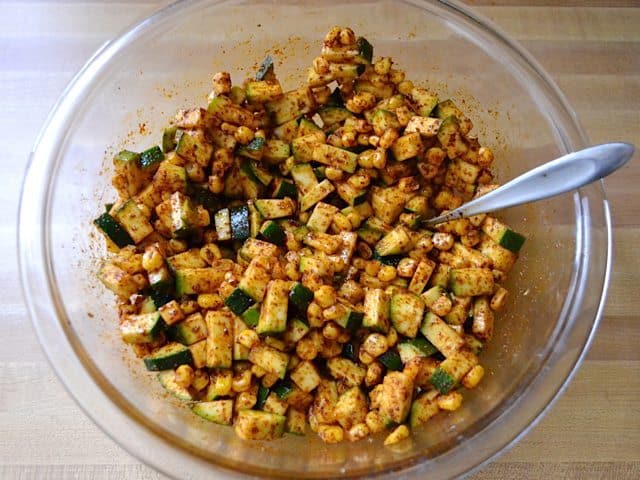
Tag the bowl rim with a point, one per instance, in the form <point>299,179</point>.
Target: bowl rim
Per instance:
<point>33,220</point>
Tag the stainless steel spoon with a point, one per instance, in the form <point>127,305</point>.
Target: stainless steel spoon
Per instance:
<point>562,175</point>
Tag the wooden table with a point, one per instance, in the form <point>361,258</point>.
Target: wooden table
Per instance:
<point>591,48</point>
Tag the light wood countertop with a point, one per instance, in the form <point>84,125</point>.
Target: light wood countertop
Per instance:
<point>591,48</point>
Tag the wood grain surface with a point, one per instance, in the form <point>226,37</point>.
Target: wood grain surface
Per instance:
<point>591,48</point>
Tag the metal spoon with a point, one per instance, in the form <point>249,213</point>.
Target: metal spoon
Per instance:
<point>561,175</point>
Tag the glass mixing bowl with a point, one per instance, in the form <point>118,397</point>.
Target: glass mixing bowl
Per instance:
<point>134,84</point>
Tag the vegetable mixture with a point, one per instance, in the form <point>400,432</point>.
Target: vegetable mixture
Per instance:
<point>270,261</point>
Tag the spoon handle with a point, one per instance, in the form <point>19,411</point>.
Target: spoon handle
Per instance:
<point>558,176</point>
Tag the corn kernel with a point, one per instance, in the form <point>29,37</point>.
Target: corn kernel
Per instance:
<point>387,273</point>
<point>210,301</point>
<point>331,433</point>
<point>498,299</point>
<point>382,66</point>
<point>450,401</point>
<point>184,376</point>
<point>472,379</point>
<point>400,433</point>
<point>374,421</point>
<point>441,306</point>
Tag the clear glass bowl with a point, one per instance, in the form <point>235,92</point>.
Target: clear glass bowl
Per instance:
<point>134,84</point>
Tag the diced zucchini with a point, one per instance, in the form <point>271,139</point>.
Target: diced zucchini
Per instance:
<point>373,230</point>
<point>272,232</point>
<point>423,101</point>
<point>169,138</point>
<point>168,381</point>
<point>502,235</point>
<point>265,72</point>
<point>382,120</point>
<point>387,203</point>
<point>296,330</point>
<point>421,276</point>
<point>440,276</point>
<point>262,395</point>
<point>316,194</point>
<point>274,404</point>
<point>219,339</point>
<point>222,220</point>
<point>275,208</point>
<point>335,157</point>
<point>419,205</point>
<point>291,105</point>
<point>407,146</point>
<point>380,91</point>
<point>251,315</point>
<point>287,131</point>
<point>450,137</point>
<point>284,188</point>
<point>269,359</point>
<point>113,230</point>
<point>333,115</point>
<point>273,313</point>
<point>415,347</point>
<point>300,297</point>
<point>447,109</point>
<point>199,353</point>
<point>240,225</point>
<point>118,281</point>
<point>306,376</point>
<point>376,310</point>
<point>240,352</point>
<point>482,325</point>
<point>224,109</point>
<point>170,356</point>
<point>217,411</point>
<point>351,408</point>
<point>254,281</point>
<point>191,281</point>
<point>347,371</point>
<point>170,178</point>
<point>129,177</point>
<point>189,259</point>
<point>423,408</point>
<point>253,149</point>
<point>191,330</point>
<point>348,247</point>
<point>296,422</point>
<point>276,151</point>
<point>351,320</point>
<point>391,360</point>
<point>406,311</point>
<point>425,126</point>
<point>183,215</point>
<point>304,177</point>
<point>441,335</point>
<point>259,425</point>
<point>321,217</point>
<point>131,218</point>
<point>459,311</point>
<point>351,195</point>
<point>253,247</point>
<point>143,328</point>
<point>395,398</point>
<point>395,242</point>
<point>194,147</point>
<point>501,258</point>
<point>469,282</point>
<point>302,147</point>
<point>262,91</point>
<point>238,301</point>
<point>452,370</point>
